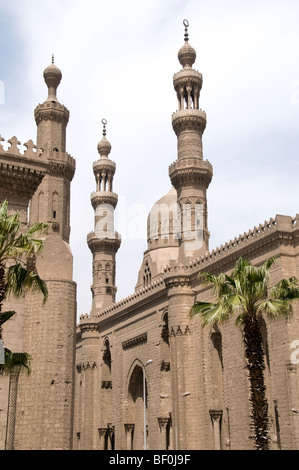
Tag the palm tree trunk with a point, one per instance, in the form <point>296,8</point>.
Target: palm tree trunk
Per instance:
<point>12,406</point>
<point>255,365</point>
<point>2,291</point>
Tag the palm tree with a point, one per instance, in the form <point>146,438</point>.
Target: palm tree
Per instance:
<point>246,292</point>
<point>16,246</point>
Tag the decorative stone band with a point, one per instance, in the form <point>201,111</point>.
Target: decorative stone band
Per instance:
<point>19,182</point>
<point>61,164</point>
<point>180,331</point>
<point>104,164</point>
<point>103,197</point>
<point>110,244</point>
<point>185,77</point>
<point>189,120</point>
<point>137,340</point>
<point>86,366</point>
<point>284,228</point>
<point>191,170</point>
<point>13,150</point>
<point>88,327</point>
<point>52,111</point>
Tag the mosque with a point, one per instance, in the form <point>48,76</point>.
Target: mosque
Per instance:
<point>138,373</point>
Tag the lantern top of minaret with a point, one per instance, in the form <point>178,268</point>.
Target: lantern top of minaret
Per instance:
<point>52,76</point>
<point>104,146</point>
<point>186,54</point>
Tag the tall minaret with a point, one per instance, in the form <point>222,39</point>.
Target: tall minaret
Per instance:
<point>104,241</point>
<point>190,174</point>
<point>46,397</point>
<point>51,202</point>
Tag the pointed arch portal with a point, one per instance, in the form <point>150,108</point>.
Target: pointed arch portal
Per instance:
<point>135,405</point>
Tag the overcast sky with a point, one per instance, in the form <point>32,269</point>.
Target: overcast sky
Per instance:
<point>117,60</point>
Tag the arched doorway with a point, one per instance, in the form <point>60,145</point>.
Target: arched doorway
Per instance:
<point>135,410</point>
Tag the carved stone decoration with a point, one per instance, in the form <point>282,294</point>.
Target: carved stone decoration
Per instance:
<point>216,416</point>
<point>165,366</point>
<point>107,384</point>
<point>137,340</point>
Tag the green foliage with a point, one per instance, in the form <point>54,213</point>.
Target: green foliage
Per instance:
<point>16,245</point>
<point>16,361</point>
<point>246,293</point>
<point>246,290</point>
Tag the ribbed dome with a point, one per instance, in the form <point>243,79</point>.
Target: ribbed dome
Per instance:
<point>163,243</point>
<point>187,55</point>
<point>104,147</point>
<point>161,221</point>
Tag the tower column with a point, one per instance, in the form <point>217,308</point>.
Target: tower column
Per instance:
<point>180,300</point>
<point>103,242</point>
<point>190,174</point>
<point>46,397</point>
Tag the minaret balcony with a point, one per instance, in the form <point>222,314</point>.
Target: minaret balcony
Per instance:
<point>109,243</point>
<point>185,77</point>
<point>189,120</point>
<point>99,198</point>
<point>104,164</point>
<point>52,111</point>
<point>191,171</point>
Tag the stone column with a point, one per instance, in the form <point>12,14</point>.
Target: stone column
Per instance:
<point>129,428</point>
<point>216,419</point>
<point>293,385</point>
<point>163,422</point>
<point>102,434</point>
<point>180,301</point>
<point>11,413</point>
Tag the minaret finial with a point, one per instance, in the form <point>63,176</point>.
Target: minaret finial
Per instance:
<point>186,24</point>
<point>104,122</point>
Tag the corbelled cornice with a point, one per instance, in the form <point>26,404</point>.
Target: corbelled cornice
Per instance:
<point>189,120</point>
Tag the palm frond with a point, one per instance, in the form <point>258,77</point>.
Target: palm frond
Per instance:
<point>287,289</point>
<point>5,316</point>
<point>13,242</point>
<point>211,313</point>
<point>275,307</point>
<point>13,361</point>
<point>19,280</point>
<point>199,307</point>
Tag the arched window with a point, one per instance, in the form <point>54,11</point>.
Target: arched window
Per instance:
<point>147,276</point>
<point>54,204</point>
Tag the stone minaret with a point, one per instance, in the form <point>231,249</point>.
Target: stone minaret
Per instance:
<point>51,202</point>
<point>104,241</point>
<point>190,174</point>
<point>45,399</point>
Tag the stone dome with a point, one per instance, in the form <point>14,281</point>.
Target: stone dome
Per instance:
<point>161,222</point>
<point>187,55</point>
<point>52,76</point>
<point>163,243</point>
<point>104,147</point>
